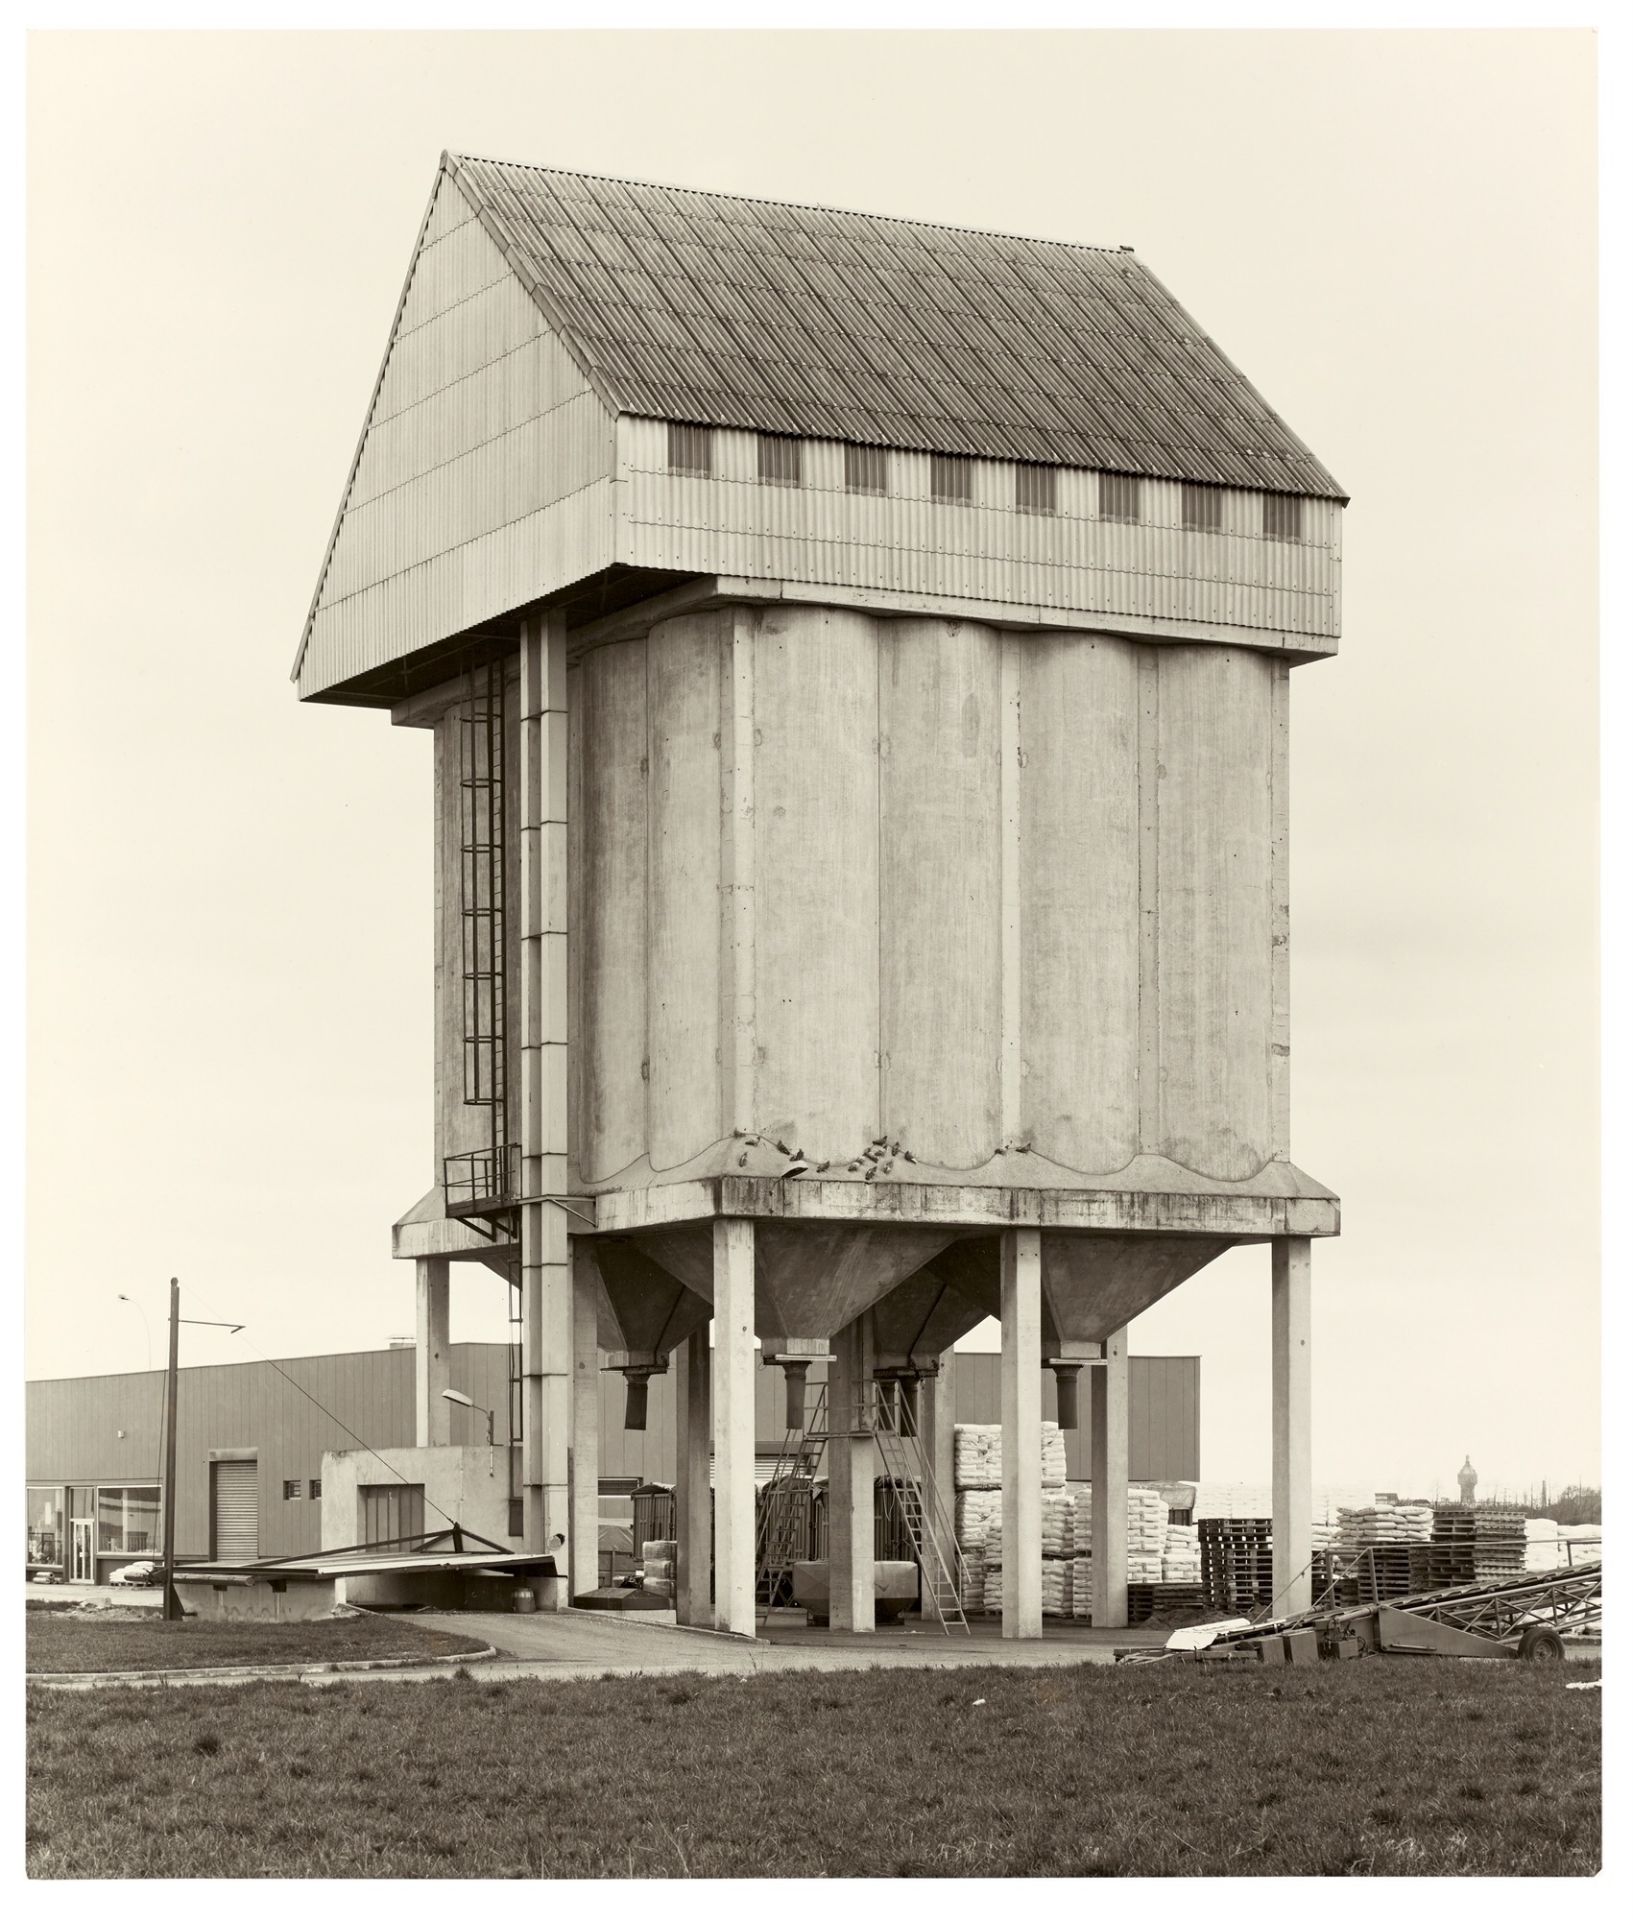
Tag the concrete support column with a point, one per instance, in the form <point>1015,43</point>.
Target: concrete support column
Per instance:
<point>431,1411</point>
<point>1290,1422</point>
<point>936,1447</point>
<point>1108,1469</point>
<point>734,1426</point>
<point>693,1526</point>
<point>1021,1410</point>
<point>851,1475</point>
<point>584,1465</point>
<point>547,1292</point>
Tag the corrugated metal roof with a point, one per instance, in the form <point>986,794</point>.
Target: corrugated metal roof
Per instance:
<point>721,311</point>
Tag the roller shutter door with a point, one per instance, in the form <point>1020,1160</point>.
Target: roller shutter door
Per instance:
<point>237,1510</point>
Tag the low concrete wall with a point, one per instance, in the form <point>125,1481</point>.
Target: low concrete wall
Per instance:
<point>255,1597</point>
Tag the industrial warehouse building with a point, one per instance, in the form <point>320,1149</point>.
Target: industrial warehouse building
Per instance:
<point>251,1440</point>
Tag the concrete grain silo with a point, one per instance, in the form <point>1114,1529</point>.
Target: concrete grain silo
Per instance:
<point>857,652</point>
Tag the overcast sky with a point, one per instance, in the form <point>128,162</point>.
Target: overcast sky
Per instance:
<point>229,895</point>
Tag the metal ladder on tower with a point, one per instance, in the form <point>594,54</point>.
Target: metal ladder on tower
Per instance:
<point>783,1532</point>
<point>482,1182</point>
<point>911,1487</point>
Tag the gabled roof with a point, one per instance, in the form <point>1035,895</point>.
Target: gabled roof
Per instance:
<point>718,310</point>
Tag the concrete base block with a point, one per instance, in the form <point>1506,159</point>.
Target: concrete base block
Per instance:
<point>255,1599</point>
<point>895,1588</point>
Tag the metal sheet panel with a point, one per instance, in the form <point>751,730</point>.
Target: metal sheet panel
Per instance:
<point>1073,560</point>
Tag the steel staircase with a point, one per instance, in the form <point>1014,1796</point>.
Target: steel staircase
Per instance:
<point>911,1488</point>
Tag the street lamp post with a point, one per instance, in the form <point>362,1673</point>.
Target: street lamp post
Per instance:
<point>464,1400</point>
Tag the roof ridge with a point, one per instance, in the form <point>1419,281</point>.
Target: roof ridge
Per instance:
<point>804,206</point>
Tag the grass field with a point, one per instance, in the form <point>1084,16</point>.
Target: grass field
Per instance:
<point>112,1642</point>
<point>1370,1767</point>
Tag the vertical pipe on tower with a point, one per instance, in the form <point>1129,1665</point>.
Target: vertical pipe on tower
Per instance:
<point>547,1292</point>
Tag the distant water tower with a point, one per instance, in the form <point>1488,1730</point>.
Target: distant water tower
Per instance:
<point>857,655</point>
<point>1467,1480</point>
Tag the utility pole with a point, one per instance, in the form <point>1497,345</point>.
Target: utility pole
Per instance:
<point>172,1606</point>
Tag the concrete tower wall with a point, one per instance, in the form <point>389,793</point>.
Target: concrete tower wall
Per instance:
<point>836,876</point>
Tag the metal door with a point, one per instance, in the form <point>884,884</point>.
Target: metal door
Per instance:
<point>82,1563</point>
<point>392,1514</point>
<point>236,1509</point>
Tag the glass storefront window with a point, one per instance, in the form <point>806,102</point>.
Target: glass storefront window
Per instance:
<point>45,1542</point>
<point>127,1519</point>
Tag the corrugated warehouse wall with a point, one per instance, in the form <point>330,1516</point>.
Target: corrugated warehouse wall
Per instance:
<point>107,1430</point>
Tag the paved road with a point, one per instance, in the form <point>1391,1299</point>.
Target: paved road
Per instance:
<point>578,1646</point>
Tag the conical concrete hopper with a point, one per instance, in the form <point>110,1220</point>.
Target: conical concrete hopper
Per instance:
<point>945,1299</point>
<point>815,1278</point>
<point>1094,1283</point>
<point>643,1313</point>
<point>810,1280</point>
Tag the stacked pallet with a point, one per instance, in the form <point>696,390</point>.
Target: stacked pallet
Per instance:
<point>658,1568</point>
<point>1451,1546</point>
<point>1170,1603</point>
<point>1236,1565</point>
<point>1499,1543</point>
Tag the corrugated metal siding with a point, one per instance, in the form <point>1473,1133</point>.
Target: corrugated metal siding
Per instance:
<point>72,1428</point>
<point>1073,560</point>
<point>72,1425</point>
<point>483,477</point>
<point>815,321</point>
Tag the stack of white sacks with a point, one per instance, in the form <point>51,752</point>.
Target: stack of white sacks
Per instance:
<point>978,1474</point>
<point>1181,1557</point>
<point>1147,1535</point>
<point>1381,1526</point>
<point>658,1568</point>
<point>1082,1550</point>
<point>1548,1545</point>
<point>976,1511</point>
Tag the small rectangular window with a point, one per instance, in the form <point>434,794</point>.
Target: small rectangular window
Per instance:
<point>780,464</point>
<point>1283,516</point>
<point>1200,508</point>
<point>691,449</point>
<point>292,1489</point>
<point>1035,489</point>
<point>949,478</point>
<point>315,1489</point>
<point>865,470</point>
<point>1120,497</point>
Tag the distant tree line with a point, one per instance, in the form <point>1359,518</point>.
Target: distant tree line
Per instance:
<point>1574,1507</point>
